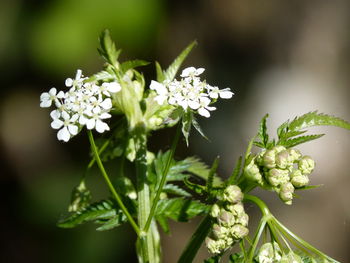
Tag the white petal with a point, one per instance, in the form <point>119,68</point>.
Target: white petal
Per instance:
<point>45,103</point>
<point>205,101</point>
<point>63,134</point>
<point>187,71</point>
<point>158,87</point>
<point>210,108</point>
<point>105,115</point>
<point>53,91</point>
<point>82,120</point>
<point>90,124</point>
<point>68,82</point>
<point>193,104</point>
<point>65,115</point>
<point>114,87</point>
<point>56,124</point>
<point>73,129</point>
<point>160,99</point>
<point>106,104</point>
<point>61,95</point>
<point>199,71</point>
<point>45,96</point>
<point>226,94</point>
<point>78,75</point>
<point>204,112</point>
<point>55,114</point>
<point>101,126</point>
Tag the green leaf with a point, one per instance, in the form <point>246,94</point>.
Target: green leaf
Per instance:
<point>131,64</point>
<point>213,259</point>
<point>197,188</point>
<point>163,222</point>
<point>317,119</point>
<point>198,128</point>
<point>262,133</point>
<point>80,198</point>
<point>171,71</point>
<point>180,209</point>
<point>212,174</point>
<point>236,258</point>
<point>299,140</point>
<point>176,190</point>
<point>160,73</point>
<point>102,75</point>
<point>104,209</point>
<point>236,171</point>
<point>307,187</point>
<point>107,48</point>
<point>114,222</point>
<point>186,125</point>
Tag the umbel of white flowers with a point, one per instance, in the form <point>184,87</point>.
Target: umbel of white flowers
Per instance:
<point>190,92</point>
<point>84,104</point>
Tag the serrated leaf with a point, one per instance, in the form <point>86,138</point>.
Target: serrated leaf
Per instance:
<point>186,125</point>
<point>102,75</point>
<point>317,119</point>
<point>299,140</point>
<point>131,64</point>
<point>290,134</point>
<point>171,71</point>
<point>262,133</point>
<point>100,210</point>
<point>114,222</point>
<point>236,171</point>
<point>307,187</point>
<point>180,209</point>
<point>160,73</point>
<point>80,197</point>
<point>212,174</point>
<point>199,189</point>
<point>176,190</point>
<point>107,48</point>
<point>163,222</point>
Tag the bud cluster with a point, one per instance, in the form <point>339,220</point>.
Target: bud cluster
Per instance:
<point>272,253</point>
<point>231,221</point>
<point>282,170</point>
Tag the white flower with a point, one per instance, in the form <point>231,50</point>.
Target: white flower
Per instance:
<point>161,90</point>
<point>204,107</point>
<point>46,98</point>
<point>77,81</point>
<point>215,92</point>
<point>67,122</point>
<point>110,87</point>
<point>95,121</point>
<point>191,72</point>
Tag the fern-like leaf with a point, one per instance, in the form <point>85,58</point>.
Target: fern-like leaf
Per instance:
<point>131,64</point>
<point>299,140</point>
<point>107,48</point>
<point>176,190</point>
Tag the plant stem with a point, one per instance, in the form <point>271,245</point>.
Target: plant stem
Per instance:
<point>110,185</point>
<point>260,203</point>
<point>163,179</point>
<point>148,244</point>
<point>196,241</point>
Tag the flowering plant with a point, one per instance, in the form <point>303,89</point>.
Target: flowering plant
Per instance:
<point>116,100</point>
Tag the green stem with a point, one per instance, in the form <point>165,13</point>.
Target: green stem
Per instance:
<point>196,241</point>
<point>260,203</point>
<point>259,231</point>
<point>163,179</point>
<point>110,185</point>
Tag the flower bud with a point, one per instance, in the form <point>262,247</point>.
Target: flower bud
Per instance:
<point>226,218</point>
<point>215,246</point>
<point>282,159</point>
<point>300,181</point>
<point>278,148</point>
<point>294,155</point>
<point>277,177</point>
<point>236,209</point>
<point>215,210</point>
<point>239,231</point>
<point>269,159</point>
<point>220,232</point>
<point>252,171</point>
<point>269,252</point>
<point>291,257</point>
<point>286,193</point>
<point>243,219</point>
<point>259,158</point>
<point>232,194</point>
<point>306,165</point>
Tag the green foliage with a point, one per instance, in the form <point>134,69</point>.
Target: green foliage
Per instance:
<point>131,64</point>
<point>160,73</point>
<point>212,174</point>
<point>171,71</point>
<point>104,209</point>
<point>102,75</point>
<point>299,140</point>
<point>236,171</point>
<point>262,134</point>
<point>236,258</point>
<point>187,118</point>
<point>107,48</point>
<point>175,190</point>
<point>80,197</point>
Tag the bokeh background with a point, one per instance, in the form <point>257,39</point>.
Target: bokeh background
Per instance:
<point>281,57</point>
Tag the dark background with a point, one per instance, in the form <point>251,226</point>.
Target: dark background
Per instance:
<point>281,57</point>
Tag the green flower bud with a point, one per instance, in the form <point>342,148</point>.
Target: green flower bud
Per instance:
<point>226,218</point>
<point>277,177</point>
<point>294,155</point>
<point>252,172</point>
<point>215,210</point>
<point>238,231</point>
<point>215,246</point>
<point>220,232</point>
<point>269,252</point>
<point>243,219</point>
<point>278,148</point>
<point>236,209</point>
<point>269,159</point>
<point>306,165</point>
<point>259,158</point>
<point>282,159</point>
<point>291,257</point>
<point>232,194</point>
<point>286,193</point>
<point>300,181</point>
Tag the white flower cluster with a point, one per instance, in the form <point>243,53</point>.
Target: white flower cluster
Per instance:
<point>272,253</point>
<point>282,170</point>
<point>231,221</point>
<point>84,104</point>
<point>190,92</point>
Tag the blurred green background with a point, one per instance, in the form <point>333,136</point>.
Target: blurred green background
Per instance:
<point>281,57</point>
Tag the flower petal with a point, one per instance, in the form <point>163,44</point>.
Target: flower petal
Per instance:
<point>63,134</point>
<point>204,112</point>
